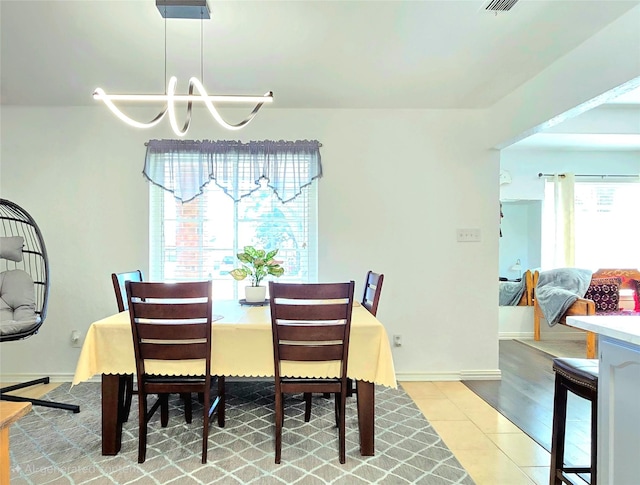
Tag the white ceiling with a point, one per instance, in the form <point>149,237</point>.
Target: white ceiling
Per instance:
<point>311,54</point>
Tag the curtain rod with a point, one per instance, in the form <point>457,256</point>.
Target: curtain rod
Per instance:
<point>146,143</point>
<point>589,175</point>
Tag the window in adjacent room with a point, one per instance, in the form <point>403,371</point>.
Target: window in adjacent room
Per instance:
<point>606,223</point>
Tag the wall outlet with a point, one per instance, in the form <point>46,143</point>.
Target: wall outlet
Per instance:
<point>76,339</point>
<point>468,235</point>
<point>397,340</point>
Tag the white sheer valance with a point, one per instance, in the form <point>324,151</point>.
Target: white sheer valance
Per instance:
<point>184,167</point>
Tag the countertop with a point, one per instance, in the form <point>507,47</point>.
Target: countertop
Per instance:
<point>624,328</point>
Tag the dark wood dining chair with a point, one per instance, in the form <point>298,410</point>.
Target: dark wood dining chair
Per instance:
<point>172,321</point>
<point>370,299</point>
<point>307,327</point>
<point>118,280</point>
<point>372,291</point>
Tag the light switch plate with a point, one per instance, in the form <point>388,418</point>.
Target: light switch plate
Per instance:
<point>468,235</point>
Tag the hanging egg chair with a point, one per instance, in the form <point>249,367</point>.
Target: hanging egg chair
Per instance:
<point>24,288</point>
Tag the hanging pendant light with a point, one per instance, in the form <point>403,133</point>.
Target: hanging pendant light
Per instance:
<point>184,9</point>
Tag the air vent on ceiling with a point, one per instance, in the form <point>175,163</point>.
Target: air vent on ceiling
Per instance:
<point>499,5</point>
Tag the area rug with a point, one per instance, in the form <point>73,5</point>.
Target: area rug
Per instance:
<point>559,348</point>
<point>50,446</point>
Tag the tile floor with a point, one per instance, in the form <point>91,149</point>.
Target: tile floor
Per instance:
<point>492,449</point>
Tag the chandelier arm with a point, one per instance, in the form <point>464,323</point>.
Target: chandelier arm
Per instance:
<point>101,95</point>
<point>195,83</point>
<point>171,91</point>
<point>246,120</point>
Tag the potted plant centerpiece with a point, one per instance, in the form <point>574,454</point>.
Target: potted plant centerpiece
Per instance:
<point>256,263</point>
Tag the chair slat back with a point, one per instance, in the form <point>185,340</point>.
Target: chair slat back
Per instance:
<point>311,322</point>
<point>118,280</point>
<point>372,291</point>
<point>170,321</point>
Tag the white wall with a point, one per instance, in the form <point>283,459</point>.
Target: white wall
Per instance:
<point>78,172</point>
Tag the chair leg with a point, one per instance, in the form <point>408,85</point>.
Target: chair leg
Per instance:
<point>350,388</point>
<point>558,432</point>
<point>128,396</point>
<point>164,409</point>
<point>142,426</point>
<point>279,419</point>
<point>342,426</point>
<point>188,408</point>
<point>205,425</point>
<point>337,407</point>
<point>307,407</point>
<point>222,402</point>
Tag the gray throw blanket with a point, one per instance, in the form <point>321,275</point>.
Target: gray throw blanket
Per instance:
<point>558,289</point>
<point>510,292</point>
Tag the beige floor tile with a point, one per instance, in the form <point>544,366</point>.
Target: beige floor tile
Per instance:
<point>462,435</point>
<point>521,449</point>
<point>439,409</point>
<point>453,388</point>
<point>422,389</point>
<point>491,421</point>
<point>470,402</point>
<point>492,467</point>
<point>539,474</point>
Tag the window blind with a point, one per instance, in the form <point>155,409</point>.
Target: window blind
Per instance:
<point>200,239</point>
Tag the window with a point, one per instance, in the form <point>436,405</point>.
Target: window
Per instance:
<point>200,238</point>
<point>606,220</point>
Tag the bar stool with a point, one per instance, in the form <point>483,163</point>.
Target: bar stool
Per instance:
<point>580,376</point>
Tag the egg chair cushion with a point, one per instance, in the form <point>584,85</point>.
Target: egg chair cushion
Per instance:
<point>17,302</point>
<point>11,248</point>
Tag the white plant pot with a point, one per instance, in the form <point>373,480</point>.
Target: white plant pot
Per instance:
<point>255,294</point>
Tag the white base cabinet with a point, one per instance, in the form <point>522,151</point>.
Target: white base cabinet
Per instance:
<point>618,412</point>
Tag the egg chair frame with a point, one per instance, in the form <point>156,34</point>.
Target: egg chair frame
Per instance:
<point>15,221</point>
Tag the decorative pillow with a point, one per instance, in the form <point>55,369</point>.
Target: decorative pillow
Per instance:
<point>17,302</point>
<point>11,248</point>
<point>636,295</point>
<point>605,293</point>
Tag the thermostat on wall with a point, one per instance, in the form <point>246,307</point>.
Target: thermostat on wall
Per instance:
<point>505,177</point>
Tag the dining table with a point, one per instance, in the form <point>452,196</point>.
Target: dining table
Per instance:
<point>241,346</point>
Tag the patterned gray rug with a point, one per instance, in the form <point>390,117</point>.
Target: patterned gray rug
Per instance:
<point>50,446</point>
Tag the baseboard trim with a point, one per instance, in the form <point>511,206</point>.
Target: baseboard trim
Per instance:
<point>32,377</point>
<point>515,335</point>
<point>463,375</point>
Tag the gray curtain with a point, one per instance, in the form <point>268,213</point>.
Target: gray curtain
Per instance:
<point>184,167</point>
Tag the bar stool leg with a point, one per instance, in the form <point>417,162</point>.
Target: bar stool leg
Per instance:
<point>558,432</point>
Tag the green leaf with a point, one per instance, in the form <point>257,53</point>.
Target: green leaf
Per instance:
<point>276,271</point>
<point>239,274</point>
<point>251,252</point>
<point>257,263</point>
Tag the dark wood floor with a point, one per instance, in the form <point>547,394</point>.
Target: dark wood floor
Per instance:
<point>525,397</point>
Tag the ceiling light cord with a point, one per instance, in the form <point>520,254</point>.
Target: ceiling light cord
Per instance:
<point>165,51</point>
<point>201,46</point>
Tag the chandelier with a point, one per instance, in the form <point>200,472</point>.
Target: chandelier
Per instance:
<point>190,9</point>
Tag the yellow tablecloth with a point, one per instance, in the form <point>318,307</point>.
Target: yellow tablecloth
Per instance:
<point>241,346</point>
